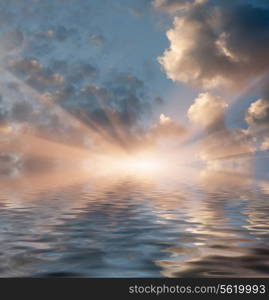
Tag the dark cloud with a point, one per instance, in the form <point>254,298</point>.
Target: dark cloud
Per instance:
<point>45,80</point>
<point>116,108</point>
<point>61,33</point>
<point>61,68</point>
<point>6,17</point>
<point>136,12</point>
<point>22,111</point>
<point>10,165</point>
<point>58,75</point>
<point>35,74</point>
<point>122,98</point>
<point>97,39</point>
<point>54,33</point>
<point>12,39</point>
<point>66,93</point>
<point>25,67</point>
<point>4,117</point>
<point>76,72</point>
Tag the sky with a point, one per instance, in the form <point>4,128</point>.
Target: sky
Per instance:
<point>135,73</point>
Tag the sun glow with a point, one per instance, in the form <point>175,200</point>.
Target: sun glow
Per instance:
<point>142,164</point>
<point>138,164</point>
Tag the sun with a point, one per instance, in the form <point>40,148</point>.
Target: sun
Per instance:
<point>137,164</point>
<point>142,164</point>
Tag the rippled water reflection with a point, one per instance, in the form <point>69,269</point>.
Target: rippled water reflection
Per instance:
<point>198,224</point>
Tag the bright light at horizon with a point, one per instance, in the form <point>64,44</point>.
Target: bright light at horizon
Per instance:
<point>136,164</point>
<point>142,164</point>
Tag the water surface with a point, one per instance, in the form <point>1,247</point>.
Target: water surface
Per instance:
<point>205,224</point>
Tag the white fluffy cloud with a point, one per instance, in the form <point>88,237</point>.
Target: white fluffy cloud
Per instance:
<point>215,43</point>
<point>207,111</point>
<point>257,117</point>
<point>164,119</point>
<point>258,113</point>
<point>265,144</point>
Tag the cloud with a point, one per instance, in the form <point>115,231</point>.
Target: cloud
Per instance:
<point>221,44</point>
<point>258,113</point>
<point>208,112</point>
<point>164,120</point>
<point>10,165</point>
<point>35,74</point>
<point>124,97</point>
<point>97,40</point>
<point>6,18</point>
<point>226,144</point>
<point>116,108</point>
<point>3,113</point>
<point>167,128</point>
<point>61,33</point>
<point>257,118</point>
<point>173,6</point>
<point>56,33</point>
<point>22,111</point>
<point>45,80</point>
<point>25,67</point>
<point>58,74</point>
<point>12,39</point>
<point>59,64</point>
<point>56,81</point>
<point>218,44</point>
<point>75,73</point>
